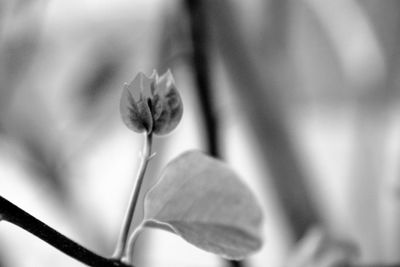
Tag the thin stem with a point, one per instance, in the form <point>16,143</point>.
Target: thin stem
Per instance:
<point>15,215</point>
<point>132,242</point>
<point>123,238</point>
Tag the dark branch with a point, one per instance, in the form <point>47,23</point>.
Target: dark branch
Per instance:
<point>201,66</point>
<point>13,214</point>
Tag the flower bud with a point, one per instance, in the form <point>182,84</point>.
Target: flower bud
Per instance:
<point>151,104</point>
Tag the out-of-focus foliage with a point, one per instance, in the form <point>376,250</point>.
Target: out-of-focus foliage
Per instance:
<point>319,249</point>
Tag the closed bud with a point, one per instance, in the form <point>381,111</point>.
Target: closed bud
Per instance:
<point>151,104</point>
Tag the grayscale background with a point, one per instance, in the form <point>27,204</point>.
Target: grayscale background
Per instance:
<point>304,95</point>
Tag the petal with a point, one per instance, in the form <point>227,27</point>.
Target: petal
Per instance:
<point>153,85</point>
<point>165,82</point>
<point>166,119</point>
<point>162,123</point>
<point>130,112</point>
<point>145,114</point>
<point>136,86</point>
<point>134,105</point>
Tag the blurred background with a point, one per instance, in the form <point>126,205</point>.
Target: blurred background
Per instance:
<point>300,97</point>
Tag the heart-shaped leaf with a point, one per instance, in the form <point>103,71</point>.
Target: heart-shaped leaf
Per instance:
<point>202,200</point>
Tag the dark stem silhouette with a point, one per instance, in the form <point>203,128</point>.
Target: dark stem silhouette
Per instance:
<point>15,215</point>
<point>201,68</point>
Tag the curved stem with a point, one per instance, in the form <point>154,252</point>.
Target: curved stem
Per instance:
<point>131,243</point>
<point>15,215</point>
<point>123,238</point>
